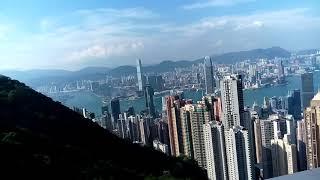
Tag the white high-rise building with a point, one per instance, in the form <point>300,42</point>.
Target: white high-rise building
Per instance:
<point>232,101</point>
<point>239,158</point>
<point>208,75</point>
<point>284,156</point>
<point>215,151</point>
<point>291,129</point>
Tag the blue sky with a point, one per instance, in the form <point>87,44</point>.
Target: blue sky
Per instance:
<point>36,34</point>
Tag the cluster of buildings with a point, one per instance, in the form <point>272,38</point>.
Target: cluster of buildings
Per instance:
<point>227,139</point>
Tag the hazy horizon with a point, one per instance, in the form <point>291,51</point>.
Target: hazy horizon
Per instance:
<point>133,63</point>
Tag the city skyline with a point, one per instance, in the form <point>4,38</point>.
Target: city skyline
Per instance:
<point>193,89</point>
<point>268,140</point>
<point>81,34</point>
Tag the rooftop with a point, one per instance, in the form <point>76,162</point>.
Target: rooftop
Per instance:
<point>316,97</point>
<point>313,174</point>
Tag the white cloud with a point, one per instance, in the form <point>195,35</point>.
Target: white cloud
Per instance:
<point>104,51</point>
<point>272,19</point>
<point>118,36</point>
<point>136,13</point>
<point>214,3</point>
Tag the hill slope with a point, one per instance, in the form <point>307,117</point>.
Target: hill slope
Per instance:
<point>43,139</point>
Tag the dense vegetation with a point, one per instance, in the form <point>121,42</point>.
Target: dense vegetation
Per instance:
<point>43,139</point>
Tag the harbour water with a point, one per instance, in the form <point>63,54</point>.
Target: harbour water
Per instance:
<point>93,103</point>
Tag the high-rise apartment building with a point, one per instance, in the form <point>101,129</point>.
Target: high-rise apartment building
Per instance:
<point>312,122</point>
<point>208,75</point>
<point>215,151</point>
<point>301,145</point>
<point>144,130</point>
<point>174,103</point>
<point>161,147</point>
<point>258,140</point>
<point>217,109</point>
<point>284,156</point>
<point>185,116</point>
<point>134,128</point>
<point>232,101</point>
<point>163,132</point>
<point>307,90</point>
<point>238,152</point>
<point>267,134</point>
<point>199,116</point>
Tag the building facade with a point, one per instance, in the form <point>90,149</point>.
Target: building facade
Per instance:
<point>238,152</point>
<point>208,75</point>
<point>307,89</point>
<point>215,151</point>
<point>232,101</point>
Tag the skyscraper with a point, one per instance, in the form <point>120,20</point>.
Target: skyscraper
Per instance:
<point>307,91</point>
<point>208,75</point>
<point>274,102</point>
<point>301,145</point>
<point>106,118</point>
<point>134,128</point>
<point>258,140</point>
<point>163,132</point>
<point>238,152</point>
<point>156,82</point>
<point>284,156</point>
<point>140,75</point>
<point>267,134</point>
<point>217,109</point>
<point>173,104</point>
<point>232,101</point>
<point>115,109</point>
<point>185,116</point>
<point>294,104</point>
<point>312,122</point>
<point>280,70</point>
<point>122,127</point>
<point>148,95</point>
<point>199,116</point>
<point>144,130</point>
<point>291,128</point>
<point>215,151</point>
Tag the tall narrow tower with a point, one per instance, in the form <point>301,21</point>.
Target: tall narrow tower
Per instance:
<point>208,75</point>
<point>140,75</point>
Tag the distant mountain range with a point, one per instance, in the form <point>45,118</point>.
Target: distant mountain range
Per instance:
<point>36,77</point>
